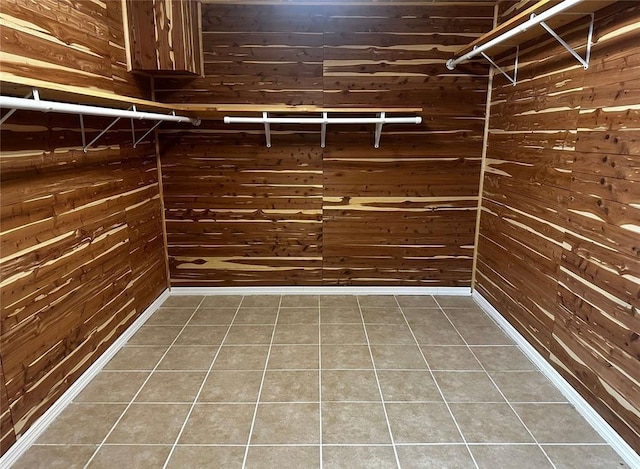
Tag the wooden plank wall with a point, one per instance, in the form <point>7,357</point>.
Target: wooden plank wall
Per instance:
<point>403,214</point>
<point>70,43</point>
<point>82,253</point>
<point>558,254</point>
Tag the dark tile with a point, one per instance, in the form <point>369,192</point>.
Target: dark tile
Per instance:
<point>510,457</point>
<point>55,457</point>
<point>218,424</point>
<point>188,357</point>
<point>84,424</point>
<point>287,424</point>
<point>118,386</point>
<point>349,423</point>
<point>422,423</point>
<point>584,457</point>
<point>278,457</point>
<point>150,424</point>
<point>122,456</point>
<point>401,385</point>
<point>290,386</point>
<point>346,357</point>
<point>202,335</point>
<point>199,457</point>
<point>358,457</point>
<point>291,357</point>
<point>171,386</point>
<point>136,358</point>
<point>231,386</point>
<point>241,357</point>
<point>467,386</point>
<point>435,456</point>
<point>349,385</point>
<point>397,357</point>
<point>489,423</point>
<point>450,358</point>
<point>556,423</point>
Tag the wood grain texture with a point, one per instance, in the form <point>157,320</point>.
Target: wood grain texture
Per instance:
<point>71,43</point>
<point>82,253</point>
<point>349,214</point>
<point>558,253</point>
<point>164,36</point>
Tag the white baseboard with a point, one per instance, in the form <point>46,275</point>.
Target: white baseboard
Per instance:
<point>322,290</point>
<point>582,406</point>
<point>39,426</point>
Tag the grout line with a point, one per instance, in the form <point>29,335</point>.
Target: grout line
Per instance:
<point>498,388</point>
<point>464,439</point>
<point>375,372</point>
<point>320,379</point>
<point>140,388</point>
<point>195,399</point>
<point>264,374</point>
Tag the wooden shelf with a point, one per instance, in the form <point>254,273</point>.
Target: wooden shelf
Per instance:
<point>568,16</point>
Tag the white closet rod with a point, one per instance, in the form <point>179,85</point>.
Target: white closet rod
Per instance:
<point>535,20</point>
<point>322,120</point>
<point>68,108</point>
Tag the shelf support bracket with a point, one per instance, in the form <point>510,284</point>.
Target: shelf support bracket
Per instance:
<point>133,128</point>
<point>267,129</point>
<point>31,94</point>
<point>584,61</point>
<point>376,143</point>
<point>157,124</point>
<point>84,138</point>
<point>323,130</point>
<point>114,122</point>
<point>513,80</point>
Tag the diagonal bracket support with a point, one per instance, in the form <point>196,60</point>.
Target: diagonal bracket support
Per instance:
<point>31,94</point>
<point>512,79</point>
<point>584,61</point>
<point>376,143</point>
<point>267,129</point>
<point>323,130</point>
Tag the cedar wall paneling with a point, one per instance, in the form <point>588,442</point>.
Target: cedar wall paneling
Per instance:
<point>82,254</point>
<point>559,248</point>
<point>403,214</point>
<point>71,43</point>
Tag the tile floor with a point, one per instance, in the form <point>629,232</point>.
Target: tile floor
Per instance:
<point>320,381</point>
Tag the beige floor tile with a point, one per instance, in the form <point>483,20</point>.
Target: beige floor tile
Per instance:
<point>259,301</point>
<point>290,386</point>
<point>82,424</point>
<point>503,358</point>
<point>422,423</point>
<point>377,301</point>
<point>452,301</point>
<point>401,385</point>
<point>340,315</point>
<point>188,357</point>
<point>155,335</point>
<point>249,335</point>
<point>54,457</point>
<point>297,301</point>
<point>231,386</point>
<point>435,456</point>
<point>112,386</point>
<point>200,457</point>
<point>472,317</point>
<point>584,457</point>
<point>292,357</point>
<point>556,423</point>
<point>183,301</point>
<point>397,357</point>
<point>484,335</point>
<point>136,358</point>
<point>130,456</point>
<point>526,386</point>
<point>416,301</point>
<point>264,315</point>
<point>241,357</point>
<point>202,335</point>
<point>221,301</point>
<point>510,457</point>
<point>450,358</point>
<point>213,317</point>
<point>218,424</point>
<point>279,457</point>
<point>338,301</point>
<point>343,334</point>
<point>149,424</point>
<point>467,386</point>
<point>299,315</point>
<point>170,317</point>
<point>171,386</point>
<point>354,423</point>
<point>346,357</point>
<point>441,334</point>
<point>349,385</point>
<point>286,423</point>
<point>358,457</point>
<point>388,315</point>
<point>489,423</point>
<point>425,317</point>
<point>287,334</point>
<point>389,334</point>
